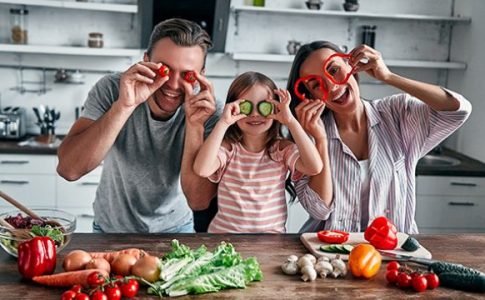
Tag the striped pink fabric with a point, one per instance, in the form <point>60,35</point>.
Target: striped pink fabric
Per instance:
<point>251,193</point>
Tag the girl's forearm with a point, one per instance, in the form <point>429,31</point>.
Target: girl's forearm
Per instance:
<point>206,162</point>
<point>322,182</point>
<point>309,156</point>
<point>432,95</point>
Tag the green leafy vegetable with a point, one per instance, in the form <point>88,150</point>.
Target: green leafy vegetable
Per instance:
<point>54,233</point>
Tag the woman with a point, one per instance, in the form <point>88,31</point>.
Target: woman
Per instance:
<point>373,146</point>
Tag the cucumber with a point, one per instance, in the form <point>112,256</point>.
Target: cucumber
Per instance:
<point>348,248</point>
<point>463,281</point>
<point>411,244</point>
<point>327,248</point>
<point>336,248</point>
<point>444,267</point>
<point>246,107</point>
<point>265,108</point>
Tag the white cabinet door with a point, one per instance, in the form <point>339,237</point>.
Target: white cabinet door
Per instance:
<point>84,218</point>
<point>297,216</point>
<point>27,164</point>
<point>31,190</point>
<point>78,193</point>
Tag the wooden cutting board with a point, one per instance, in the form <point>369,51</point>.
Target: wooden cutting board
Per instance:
<point>312,243</point>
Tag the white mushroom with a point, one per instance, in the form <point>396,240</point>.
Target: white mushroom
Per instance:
<point>309,273</point>
<point>339,267</point>
<point>305,260</point>
<point>290,267</point>
<point>323,268</point>
<point>312,258</point>
<point>323,258</point>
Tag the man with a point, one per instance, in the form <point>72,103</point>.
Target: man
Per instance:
<point>137,123</point>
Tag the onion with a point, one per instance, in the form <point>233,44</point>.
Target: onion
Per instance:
<point>122,264</point>
<point>76,260</point>
<point>147,268</point>
<point>99,263</point>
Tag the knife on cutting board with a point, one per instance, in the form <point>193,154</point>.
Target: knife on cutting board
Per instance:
<point>451,275</point>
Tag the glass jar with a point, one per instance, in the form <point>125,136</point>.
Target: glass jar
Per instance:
<point>95,40</point>
<point>18,20</point>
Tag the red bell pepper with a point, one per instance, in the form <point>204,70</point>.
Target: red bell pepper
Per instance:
<point>37,257</point>
<point>304,80</point>
<point>381,234</point>
<point>329,76</point>
<point>333,236</point>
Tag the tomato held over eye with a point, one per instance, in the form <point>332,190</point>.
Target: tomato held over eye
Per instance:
<point>164,71</point>
<point>190,77</point>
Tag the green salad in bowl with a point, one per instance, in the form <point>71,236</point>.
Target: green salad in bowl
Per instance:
<point>56,224</point>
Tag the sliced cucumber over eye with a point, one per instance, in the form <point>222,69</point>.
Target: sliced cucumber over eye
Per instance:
<point>265,108</point>
<point>246,107</point>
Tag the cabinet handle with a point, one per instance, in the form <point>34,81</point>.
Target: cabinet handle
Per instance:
<point>14,162</point>
<point>89,183</point>
<point>461,203</point>
<point>471,184</point>
<point>14,182</point>
<point>85,216</point>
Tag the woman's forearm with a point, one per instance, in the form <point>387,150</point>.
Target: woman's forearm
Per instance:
<point>322,182</point>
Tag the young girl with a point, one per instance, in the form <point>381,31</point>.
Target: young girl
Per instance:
<point>246,155</point>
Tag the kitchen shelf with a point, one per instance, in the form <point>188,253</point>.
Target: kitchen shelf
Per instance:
<point>66,50</point>
<point>279,58</point>
<point>123,8</point>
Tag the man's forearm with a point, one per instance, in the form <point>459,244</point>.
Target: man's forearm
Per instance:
<point>84,148</point>
<point>198,190</point>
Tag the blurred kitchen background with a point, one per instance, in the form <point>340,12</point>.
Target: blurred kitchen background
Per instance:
<point>53,51</point>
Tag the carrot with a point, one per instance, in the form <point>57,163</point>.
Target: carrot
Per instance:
<point>111,255</point>
<point>67,278</point>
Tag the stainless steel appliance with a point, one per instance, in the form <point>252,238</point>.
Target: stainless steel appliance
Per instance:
<point>12,123</point>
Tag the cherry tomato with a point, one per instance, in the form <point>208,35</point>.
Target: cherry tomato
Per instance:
<point>95,279</point>
<point>393,265</point>
<point>433,281</point>
<point>130,288</point>
<point>82,296</point>
<point>119,280</point>
<point>113,292</point>
<point>164,71</point>
<point>68,295</point>
<point>190,77</point>
<point>403,280</point>
<point>419,283</point>
<point>391,276</point>
<point>77,288</point>
<point>98,295</point>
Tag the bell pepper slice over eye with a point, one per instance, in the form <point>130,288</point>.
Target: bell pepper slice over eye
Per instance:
<point>36,257</point>
<point>330,76</point>
<point>300,83</point>
<point>190,77</point>
<point>164,71</point>
<point>382,234</point>
<point>246,107</point>
<point>333,236</point>
<point>265,108</point>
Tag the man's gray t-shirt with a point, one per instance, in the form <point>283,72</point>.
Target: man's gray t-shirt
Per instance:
<point>140,187</point>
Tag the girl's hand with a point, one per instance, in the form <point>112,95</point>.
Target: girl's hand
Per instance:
<point>309,115</point>
<point>282,112</point>
<point>231,113</point>
<point>375,65</point>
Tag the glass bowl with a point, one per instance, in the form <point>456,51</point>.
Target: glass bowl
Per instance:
<point>10,242</point>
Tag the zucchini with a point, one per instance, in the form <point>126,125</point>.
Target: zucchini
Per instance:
<point>444,267</point>
<point>265,108</point>
<point>411,244</point>
<point>463,281</point>
<point>246,107</point>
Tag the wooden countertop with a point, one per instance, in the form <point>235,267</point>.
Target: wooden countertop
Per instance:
<point>271,251</point>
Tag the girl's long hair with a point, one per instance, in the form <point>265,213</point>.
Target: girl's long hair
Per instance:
<point>239,86</point>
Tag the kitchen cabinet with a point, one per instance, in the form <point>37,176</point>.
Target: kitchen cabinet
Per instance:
<point>297,216</point>
<point>33,180</point>
<point>450,204</point>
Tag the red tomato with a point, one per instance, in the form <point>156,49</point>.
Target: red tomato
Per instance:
<point>113,292</point>
<point>95,279</point>
<point>164,71</point>
<point>391,276</point>
<point>420,283</point>
<point>190,77</point>
<point>433,281</point>
<point>68,295</point>
<point>404,280</point>
<point>81,296</point>
<point>77,288</point>
<point>393,265</point>
<point>130,288</point>
<point>98,295</point>
<point>333,236</point>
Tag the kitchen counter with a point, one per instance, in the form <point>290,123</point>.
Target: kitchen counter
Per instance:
<point>13,147</point>
<point>271,251</point>
<point>468,167</point>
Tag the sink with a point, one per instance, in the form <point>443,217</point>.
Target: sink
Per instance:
<point>438,161</point>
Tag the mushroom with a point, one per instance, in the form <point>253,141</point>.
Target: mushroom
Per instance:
<point>309,273</point>
<point>306,260</point>
<point>339,267</point>
<point>323,267</point>
<point>311,258</point>
<point>290,267</point>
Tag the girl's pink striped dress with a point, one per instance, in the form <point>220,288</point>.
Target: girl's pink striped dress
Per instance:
<point>251,194</point>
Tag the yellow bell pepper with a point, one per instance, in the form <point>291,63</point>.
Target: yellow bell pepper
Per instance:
<point>364,261</point>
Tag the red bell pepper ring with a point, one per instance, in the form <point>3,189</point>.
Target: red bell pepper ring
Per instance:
<point>333,236</point>
<point>329,76</point>
<point>381,234</point>
<point>190,77</point>
<point>164,71</point>
<point>36,257</point>
<point>305,79</point>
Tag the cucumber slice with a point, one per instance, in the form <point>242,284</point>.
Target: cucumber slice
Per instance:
<point>246,107</point>
<point>327,248</point>
<point>348,248</point>
<point>265,108</point>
